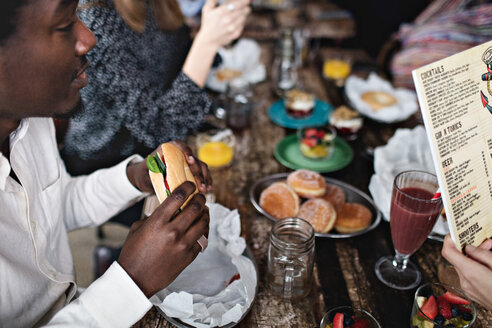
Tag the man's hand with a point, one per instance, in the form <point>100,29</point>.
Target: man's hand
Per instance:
<point>158,248</point>
<point>138,173</point>
<point>199,169</point>
<point>474,270</point>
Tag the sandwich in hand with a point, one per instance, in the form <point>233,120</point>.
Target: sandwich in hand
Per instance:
<point>168,171</point>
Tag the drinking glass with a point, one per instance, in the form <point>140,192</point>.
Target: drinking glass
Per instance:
<point>351,317</point>
<point>300,46</point>
<point>458,315</point>
<point>291,258</point>
<point>413,213</point>
<point>239,104</point>
<point>216,147</point>
<point>284,69</point>
<point>317,142</point>
<point>337,69</point>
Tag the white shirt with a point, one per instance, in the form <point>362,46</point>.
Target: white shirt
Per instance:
<point>36,267</point>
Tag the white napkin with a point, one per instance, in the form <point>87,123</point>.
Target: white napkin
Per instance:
<point>244,57</point>
<point>406,150</point>
<point>201,296</point>
<point>406,100</point>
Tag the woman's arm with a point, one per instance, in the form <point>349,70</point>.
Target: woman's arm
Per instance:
<point>220,26</point>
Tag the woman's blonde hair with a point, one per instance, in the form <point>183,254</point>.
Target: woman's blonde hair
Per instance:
<point>167,13</point>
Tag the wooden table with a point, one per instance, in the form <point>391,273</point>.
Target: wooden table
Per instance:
<point>344,269</point>
<point>321,19</point>
<point>317,17</point>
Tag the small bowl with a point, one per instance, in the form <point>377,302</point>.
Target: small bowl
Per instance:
<point>216,147</point>
<point>355,314</point>
<point>317,142</point>
<point>423,295</point>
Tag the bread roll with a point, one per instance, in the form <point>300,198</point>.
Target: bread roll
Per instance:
<point>280,201</point>
<point>306,183</point>
<point>352,217</point>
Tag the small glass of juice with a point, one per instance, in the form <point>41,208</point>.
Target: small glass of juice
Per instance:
<point>337,69</point>
<point>216,147</point>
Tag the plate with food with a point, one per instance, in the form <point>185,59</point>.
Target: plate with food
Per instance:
<point>378,100</point>
<point>240,61</point>
<point>288,153</point>
<point>334,208</point>
<point>299,109</point>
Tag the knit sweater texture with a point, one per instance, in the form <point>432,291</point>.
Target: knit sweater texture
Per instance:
<point>138,96</point>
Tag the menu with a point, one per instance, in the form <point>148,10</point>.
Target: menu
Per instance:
<point>455,96</point>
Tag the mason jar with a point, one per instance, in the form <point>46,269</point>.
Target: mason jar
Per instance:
<point>291,258</point>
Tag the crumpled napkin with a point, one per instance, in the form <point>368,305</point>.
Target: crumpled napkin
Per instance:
<point>406,150</point>
<point>406,100</point>
<point>244,56</point>
<point>201,296</point>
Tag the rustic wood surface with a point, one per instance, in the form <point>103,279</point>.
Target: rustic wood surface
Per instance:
<point>344,269</point>
<point>265,24</point>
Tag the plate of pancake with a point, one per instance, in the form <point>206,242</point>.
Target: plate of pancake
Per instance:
<point>378,100</point>
<point>334,208</point>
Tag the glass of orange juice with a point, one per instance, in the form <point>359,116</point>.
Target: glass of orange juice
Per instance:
<point>337,69</point>
<point>216,147</point>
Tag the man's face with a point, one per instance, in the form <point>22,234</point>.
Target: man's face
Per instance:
<point>42,64</point>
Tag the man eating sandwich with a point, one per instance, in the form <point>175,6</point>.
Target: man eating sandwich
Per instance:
<point>42,69</point>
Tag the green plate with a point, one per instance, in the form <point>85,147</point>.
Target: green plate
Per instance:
<point>288,154</point>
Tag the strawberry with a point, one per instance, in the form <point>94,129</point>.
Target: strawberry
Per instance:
<point>444,307</point>
<point>310,133</point>
<point>320,134</point>
<point>309,142</point>
<point>338,320</point>
<point>455,299</point>
<point>429,308</point>
<point>464,309</point>
<point>361,323</point>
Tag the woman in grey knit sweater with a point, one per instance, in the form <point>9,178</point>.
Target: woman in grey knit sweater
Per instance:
<point>145,82</point>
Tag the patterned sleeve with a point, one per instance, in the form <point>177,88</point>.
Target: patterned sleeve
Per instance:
<point>170,115</point>
<point>135,83</point>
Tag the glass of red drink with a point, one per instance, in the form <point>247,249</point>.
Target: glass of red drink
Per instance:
<point>414,210</point>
